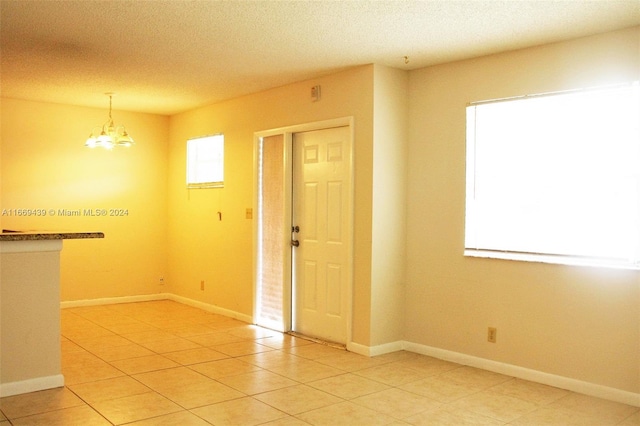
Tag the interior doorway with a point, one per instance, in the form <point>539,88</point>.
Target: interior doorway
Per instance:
<point>304,230</point>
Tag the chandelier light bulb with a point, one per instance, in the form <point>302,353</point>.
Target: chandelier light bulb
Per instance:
<point>109,135</point>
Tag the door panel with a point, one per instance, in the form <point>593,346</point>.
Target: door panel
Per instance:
<point>321,209</point>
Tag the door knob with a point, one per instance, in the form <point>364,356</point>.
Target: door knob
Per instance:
<point>295,243</point>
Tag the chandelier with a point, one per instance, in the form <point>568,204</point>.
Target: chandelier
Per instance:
<point>109,135</point>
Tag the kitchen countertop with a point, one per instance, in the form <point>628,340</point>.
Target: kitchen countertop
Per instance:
<point>8,235</point>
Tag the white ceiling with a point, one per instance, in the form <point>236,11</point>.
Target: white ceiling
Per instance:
<point>170,56</point>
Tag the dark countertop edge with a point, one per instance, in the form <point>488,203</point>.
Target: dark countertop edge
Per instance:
<point>35,236</point>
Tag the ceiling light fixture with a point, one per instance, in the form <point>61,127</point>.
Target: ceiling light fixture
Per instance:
<point>109,135</point>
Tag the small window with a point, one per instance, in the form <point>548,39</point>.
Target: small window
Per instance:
<point>205,162</point>
<point>556,178</point>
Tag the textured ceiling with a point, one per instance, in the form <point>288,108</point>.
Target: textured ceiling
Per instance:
<point>170,56</point>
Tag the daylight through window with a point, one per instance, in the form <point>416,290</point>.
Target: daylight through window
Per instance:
<point>205,162</point>
<point>556,177</point>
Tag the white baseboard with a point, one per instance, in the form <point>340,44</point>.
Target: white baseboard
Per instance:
<point>31,385</point>
<point>114,300</point>
<point>358,348</point>
<point>211,308</point>
<point>375,350</point>
<point>159,296</point>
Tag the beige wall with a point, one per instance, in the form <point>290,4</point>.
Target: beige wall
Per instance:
<point>221,252</point>
<point>390,139</point>
<point>582,323</point>
<point>45,166</point>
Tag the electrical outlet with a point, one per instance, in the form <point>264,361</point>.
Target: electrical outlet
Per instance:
<point>202,285</point>
<point>249,213</point>
<point>492,334</point>
<point>161,280</point>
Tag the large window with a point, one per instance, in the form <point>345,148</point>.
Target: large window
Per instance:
<point>205,162</point>
<point>556,177</point>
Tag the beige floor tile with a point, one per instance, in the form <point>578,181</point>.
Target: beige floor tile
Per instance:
<point>195,395</point>
<point>536,393</point>
<point>108,389</point>
<point>441,388</point>
<point>191,330</point>
<point>257,382</point>
<point>109,318</point>
<point>482,379</point>
<point>224,324</point>
<point>89,311</point>
<point>67,347</point>
<point>170,377</point>
<point>601,409</point>
<point>313,350</point>
<point>245,347</point>
<point>444,416</point>
<point>149,336</point>
<point>84,331</point>
<point>429,366</point>
<point>269,360</point>
<point>198,316</point>
<point>170,345</point>
<point>96,343</point>
<point>349,361</point>
<point>547,416</point>
<point>348,386</point>
<point>297,399</point>
<point>195,356</point>
<point>144,364</point>
<point>632,420</point>
<point>282,340</point>
<point>130,328</point>
<point>82,367</point>
<point>170,323</point>
<point>252,332</point>
<point>214,339</point>
<point>244,411</point>
<point>397,403</point>
<point>391,374</point>
<point>286,421</point>
<point>305,370</point>
<point>500,407</point>
<point>82,415</point>
<point>345,414</point>
<point>131,350</point>
<point>181,418</point>
<point>224,368</point>
<point>82,357</point>
<point>38,402</point>
<point>135,407</point>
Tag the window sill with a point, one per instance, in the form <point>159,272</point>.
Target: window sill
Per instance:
<point>554,259</point>
<point>205,185</point>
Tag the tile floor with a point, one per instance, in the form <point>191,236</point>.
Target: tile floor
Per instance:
<point>164,363</point>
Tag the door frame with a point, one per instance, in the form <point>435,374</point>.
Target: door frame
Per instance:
<point>288,285</point>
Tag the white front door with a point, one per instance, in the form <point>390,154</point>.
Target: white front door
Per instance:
<point>321,229</point>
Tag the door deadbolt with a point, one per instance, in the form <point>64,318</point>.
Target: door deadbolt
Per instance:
<point>295,229</point>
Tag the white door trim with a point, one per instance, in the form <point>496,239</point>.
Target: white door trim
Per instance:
<point>288,132</point>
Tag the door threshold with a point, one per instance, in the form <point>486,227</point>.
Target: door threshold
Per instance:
<point>316,340</point>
